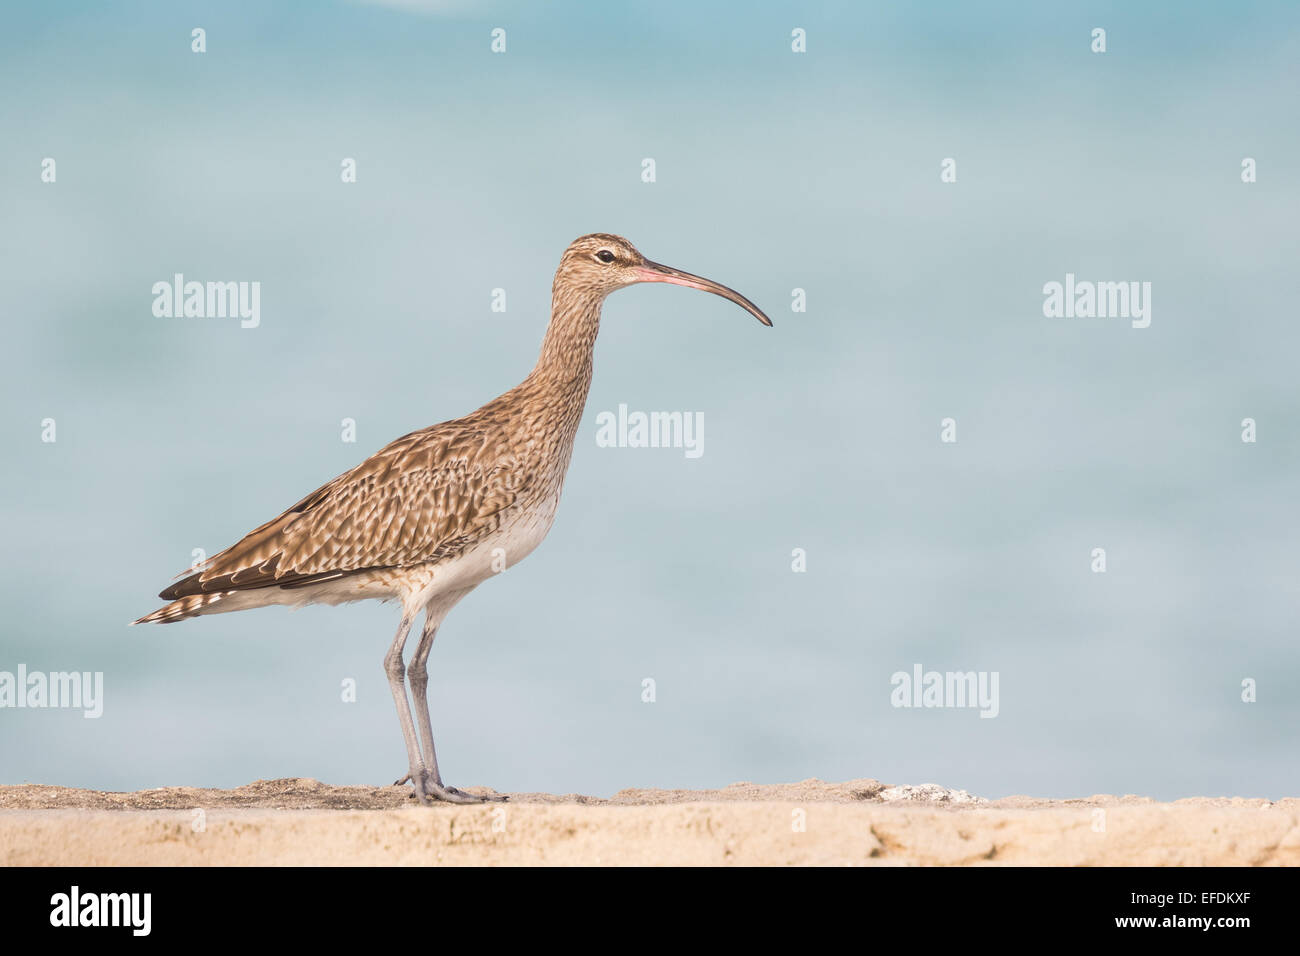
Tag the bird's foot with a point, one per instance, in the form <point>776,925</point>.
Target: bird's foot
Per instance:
<point>453,795</point>
<point>430,789</point>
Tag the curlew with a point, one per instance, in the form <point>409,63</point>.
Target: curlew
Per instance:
<point>420,522</point>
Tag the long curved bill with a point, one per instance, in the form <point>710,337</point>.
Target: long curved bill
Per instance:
<point>656,272</point>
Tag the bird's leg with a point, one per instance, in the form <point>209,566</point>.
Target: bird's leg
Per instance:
<point>419,690</point>
<point>396,671</point>
<point>420,693</point>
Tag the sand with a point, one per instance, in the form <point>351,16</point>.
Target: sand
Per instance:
<point>860,822</point>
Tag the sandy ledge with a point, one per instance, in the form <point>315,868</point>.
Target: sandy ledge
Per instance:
<point>861,822</point>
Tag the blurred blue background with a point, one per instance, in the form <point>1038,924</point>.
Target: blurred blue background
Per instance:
<point>775,171</point>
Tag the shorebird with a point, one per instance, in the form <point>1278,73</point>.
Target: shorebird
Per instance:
<point>432,515</point>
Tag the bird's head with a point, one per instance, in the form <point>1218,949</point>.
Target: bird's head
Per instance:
<point>601,263</point>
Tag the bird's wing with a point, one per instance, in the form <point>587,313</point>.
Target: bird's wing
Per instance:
<point>423,497</point>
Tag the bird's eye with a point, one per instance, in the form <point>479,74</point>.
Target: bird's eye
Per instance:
<point>605,255</point>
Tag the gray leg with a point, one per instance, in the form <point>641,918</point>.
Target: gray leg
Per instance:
<point>396,671</point>
<point>419,692</point>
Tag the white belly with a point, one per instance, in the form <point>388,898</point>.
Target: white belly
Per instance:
<point>442,583</point>
<point>512,542</point>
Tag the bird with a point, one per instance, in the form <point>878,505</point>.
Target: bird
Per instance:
<point>435,513</point>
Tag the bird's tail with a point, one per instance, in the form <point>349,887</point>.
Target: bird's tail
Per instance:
<point>192,605</point>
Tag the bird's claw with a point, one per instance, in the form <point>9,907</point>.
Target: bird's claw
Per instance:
<point>430,790</point>
<point>454,795</point>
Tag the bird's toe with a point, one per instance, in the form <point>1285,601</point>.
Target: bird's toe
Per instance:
<point>455,795</point>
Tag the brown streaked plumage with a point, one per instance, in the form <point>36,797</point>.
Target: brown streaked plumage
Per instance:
<point>433,514</point>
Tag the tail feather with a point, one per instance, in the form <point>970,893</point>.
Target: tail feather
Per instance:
<point>191,605</point>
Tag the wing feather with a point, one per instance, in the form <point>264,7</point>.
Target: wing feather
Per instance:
<point>421,498</point>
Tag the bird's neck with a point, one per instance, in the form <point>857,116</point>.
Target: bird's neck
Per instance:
<point>564,365</point>
<point>555,392</point>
